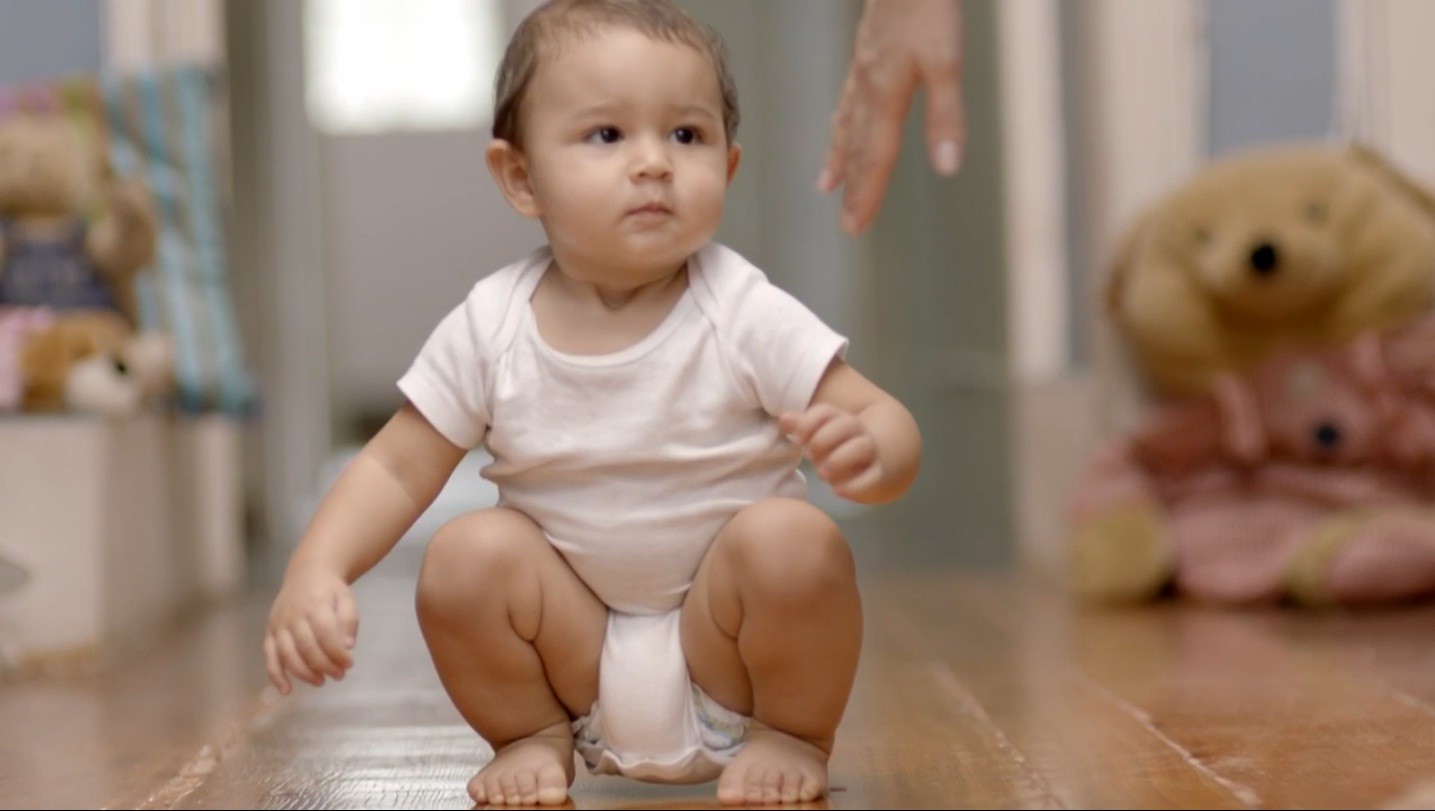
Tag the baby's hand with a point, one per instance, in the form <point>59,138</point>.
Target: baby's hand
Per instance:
<point>841,448</point>
<point>312,627</point>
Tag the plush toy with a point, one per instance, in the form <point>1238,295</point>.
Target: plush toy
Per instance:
<point>71,235</point>
<point>90,361</point>
<point>72,238</point>
<point>1309,476</point>
<point>1274,306</point>
<point>1285,246</point>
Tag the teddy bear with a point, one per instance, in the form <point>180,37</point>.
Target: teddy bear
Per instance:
<point>1282,246</point>
<point>72,238</point>
<point>1274,308</point>
<point>1309,476</point>
<point>91,361</point>
<point>72,235</point>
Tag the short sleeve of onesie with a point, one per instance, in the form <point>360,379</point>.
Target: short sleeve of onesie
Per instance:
<point>779,346</point>
<point>446,381</point>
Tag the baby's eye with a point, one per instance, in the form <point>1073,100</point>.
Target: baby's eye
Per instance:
<point>686,135</point>
<point>1315,212</point>
<point>605,135</point>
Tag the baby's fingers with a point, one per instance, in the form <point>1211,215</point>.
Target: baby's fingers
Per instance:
<point>313,643</point>
<point>277,676</point>
<point>347,612</point>
<point>801,425</point>
<point>848,460</point>
<point>856,487</point>
<point>334,636</point>
<point>831,435</point>
<point>292,661</point>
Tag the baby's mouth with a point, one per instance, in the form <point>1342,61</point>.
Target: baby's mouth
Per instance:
<point>651,209</point>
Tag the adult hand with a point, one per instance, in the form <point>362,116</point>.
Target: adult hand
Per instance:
<point>900,45</point>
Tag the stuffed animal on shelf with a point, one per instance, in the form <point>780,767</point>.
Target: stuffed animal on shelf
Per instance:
<point>71,235</point>
<point>1309,476</point>
<point>72,239</point>
<point>1284,246</point>
<point>1274,306</point>
<point>91,361</point>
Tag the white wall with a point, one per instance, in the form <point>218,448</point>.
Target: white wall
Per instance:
<point>1385,69</point>
<point>1136,86</point>
<point>411,221</point>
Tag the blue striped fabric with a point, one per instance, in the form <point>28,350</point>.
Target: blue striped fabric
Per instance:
<point>158,126</point>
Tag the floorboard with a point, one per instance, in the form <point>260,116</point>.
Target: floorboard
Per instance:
<point>975,690</point>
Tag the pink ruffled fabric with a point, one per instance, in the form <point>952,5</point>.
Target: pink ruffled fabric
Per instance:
<point>1246,473</point>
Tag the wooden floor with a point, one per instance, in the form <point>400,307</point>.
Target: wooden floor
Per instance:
<point>975,691</point>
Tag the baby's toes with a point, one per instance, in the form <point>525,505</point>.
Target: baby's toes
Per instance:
<point>478,789</point>
<point>791,790</point>
<point>551,785</point>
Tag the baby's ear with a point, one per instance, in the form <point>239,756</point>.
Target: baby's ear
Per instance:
<point>509,168</point>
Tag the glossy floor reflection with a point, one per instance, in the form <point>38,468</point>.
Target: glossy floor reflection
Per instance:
<point>975,691</point>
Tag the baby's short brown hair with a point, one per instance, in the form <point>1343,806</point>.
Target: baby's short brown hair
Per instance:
<point>540,31</point>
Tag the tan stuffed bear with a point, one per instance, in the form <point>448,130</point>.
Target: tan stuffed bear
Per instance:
<point>1286,246</point>
<point>71,235</point>
<point>92,362</point>
<point>72,238</point>
<point>1292,263</point>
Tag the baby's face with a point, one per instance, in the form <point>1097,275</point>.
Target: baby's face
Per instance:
<point>627,157</point>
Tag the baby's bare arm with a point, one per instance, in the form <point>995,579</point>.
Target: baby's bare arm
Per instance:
<point>313,622</point>
<point>862,440</point>
<point>378,496</point>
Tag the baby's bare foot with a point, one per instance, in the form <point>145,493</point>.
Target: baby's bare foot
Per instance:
<point>774,767</point>
<point>536,770</point>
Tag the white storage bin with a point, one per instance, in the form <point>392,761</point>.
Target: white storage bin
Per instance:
<point>119,524</point>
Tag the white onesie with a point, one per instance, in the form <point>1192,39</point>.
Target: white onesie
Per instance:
<point>632,462</point>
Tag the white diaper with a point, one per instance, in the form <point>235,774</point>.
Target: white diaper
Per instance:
<point>650,721</point>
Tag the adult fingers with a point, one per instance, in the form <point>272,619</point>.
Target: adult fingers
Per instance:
<point>873,139</point>
<point>836,160</point>
<point>946,124</point>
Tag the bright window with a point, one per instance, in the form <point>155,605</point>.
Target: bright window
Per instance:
<point>392,65</point>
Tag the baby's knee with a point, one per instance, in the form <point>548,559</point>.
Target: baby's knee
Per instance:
<point>789,547</point>
<point>476,553</point>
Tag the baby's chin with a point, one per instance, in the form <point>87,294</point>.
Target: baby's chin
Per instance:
<point>641,251</point>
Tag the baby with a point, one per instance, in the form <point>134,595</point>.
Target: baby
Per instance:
<point>653,591</point>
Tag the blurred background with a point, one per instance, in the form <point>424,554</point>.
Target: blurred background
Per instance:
<point>357,209</point>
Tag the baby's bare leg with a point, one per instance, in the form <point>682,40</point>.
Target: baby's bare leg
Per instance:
<point>772,628</point>
<point>515,637</point>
